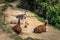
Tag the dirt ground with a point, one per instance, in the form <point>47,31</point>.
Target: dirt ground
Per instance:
<point>51,34</point>
<point>4,36</point>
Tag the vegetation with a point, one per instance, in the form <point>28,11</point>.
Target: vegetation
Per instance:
<point>3,1</point>
<point>4,5</point>
<point>19,38</point>
<point>47,9</point>
<point>10,0</point>
<point>26,4</point>
<point>29,38</point>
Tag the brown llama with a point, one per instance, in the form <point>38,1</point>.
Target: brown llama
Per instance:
<point>40,28</point>
<point>17,28</point>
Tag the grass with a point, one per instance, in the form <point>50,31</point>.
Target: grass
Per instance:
<point>29,38</point>
<point>39,18</point>
<point>2,1</point>
<point>4,27</point>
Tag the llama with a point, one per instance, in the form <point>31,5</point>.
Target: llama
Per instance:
<point>25,16</point>
<point>26,24</point>
<point>41,28</point>
<point>17,28</point>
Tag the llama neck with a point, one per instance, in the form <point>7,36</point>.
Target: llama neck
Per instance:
<point>46,22</point>
<point>19,21</point>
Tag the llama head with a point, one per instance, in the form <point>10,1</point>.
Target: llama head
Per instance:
<point>18,16</point>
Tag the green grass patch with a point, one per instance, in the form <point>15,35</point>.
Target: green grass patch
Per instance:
<point>39,18</point>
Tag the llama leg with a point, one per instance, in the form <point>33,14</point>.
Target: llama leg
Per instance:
<point>25,25</point>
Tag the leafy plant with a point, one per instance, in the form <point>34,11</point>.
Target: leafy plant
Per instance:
<point>10,0</point>
<point>29,38</point>
<point>2,1</point>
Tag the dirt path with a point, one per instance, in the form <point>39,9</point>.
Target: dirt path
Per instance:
<point>4,36</point>
<point>51,34</point>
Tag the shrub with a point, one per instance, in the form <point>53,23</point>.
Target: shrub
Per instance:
<point>27,4</point>
<point>4,7</point>
<point>10,0</point>
<point>2,1</point>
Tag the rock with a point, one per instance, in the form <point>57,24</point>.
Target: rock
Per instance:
<point>14,22</point>
<point>10,19</point>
